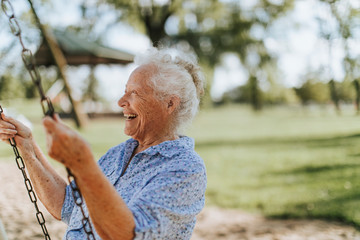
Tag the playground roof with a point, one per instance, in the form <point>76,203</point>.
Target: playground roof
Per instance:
<point>79,50</point>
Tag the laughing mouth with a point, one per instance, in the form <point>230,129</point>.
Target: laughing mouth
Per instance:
<point>130,116</point>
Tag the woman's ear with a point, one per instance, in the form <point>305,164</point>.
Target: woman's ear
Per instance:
<point>173,102</point>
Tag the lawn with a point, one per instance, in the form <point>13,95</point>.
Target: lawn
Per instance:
<point>283,162</point>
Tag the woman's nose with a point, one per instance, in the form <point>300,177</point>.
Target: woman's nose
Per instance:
<point>123,102</point>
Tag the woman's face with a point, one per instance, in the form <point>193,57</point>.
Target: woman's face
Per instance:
<point>146,117</point>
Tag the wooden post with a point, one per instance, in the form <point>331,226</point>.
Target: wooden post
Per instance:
<point>60,61</point>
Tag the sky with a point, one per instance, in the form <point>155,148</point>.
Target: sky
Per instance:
<point>294,40</point>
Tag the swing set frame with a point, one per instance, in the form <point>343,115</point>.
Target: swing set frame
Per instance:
<point>48,110</point>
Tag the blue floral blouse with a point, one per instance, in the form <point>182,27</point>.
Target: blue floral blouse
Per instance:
<point>163,186</point>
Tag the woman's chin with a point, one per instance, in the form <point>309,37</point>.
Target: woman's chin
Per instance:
<point>127,132</point>
<point>130,132</point>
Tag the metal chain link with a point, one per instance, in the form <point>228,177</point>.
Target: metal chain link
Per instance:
<point>79,202</point>
<point>47,107</point>
<point>28,185</point>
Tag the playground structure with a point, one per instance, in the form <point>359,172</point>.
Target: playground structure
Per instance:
<point>55,54</point>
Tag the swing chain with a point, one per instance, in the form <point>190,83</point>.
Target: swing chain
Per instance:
<point>79,202</point>
<point>47,107</point>
<point>27,57</point>
<point>28,185</point>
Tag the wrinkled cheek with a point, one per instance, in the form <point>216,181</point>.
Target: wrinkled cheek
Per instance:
<point>134,127</point>
<point>141,127</point>
<point>143,116</point>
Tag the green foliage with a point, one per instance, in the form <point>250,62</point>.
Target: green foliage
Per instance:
<point>210,28</point>
<point>347,16</point>
<point>346,91</point>
<point>313,92</point>
<point>19,85</point>
<point>274,94</point>
<point>148,16</point>
<point>10,87</point>
<point>248,93</point>
<point>222,27</point>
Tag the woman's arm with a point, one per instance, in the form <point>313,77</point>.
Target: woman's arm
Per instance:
<point>48,184</point>
<point>109,213</point>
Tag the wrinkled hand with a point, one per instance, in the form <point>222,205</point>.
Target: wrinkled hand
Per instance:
<point>65,145</point>
<point>7,129</point>
<point>11,128</point>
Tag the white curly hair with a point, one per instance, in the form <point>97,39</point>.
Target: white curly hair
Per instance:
<point>179,74</point>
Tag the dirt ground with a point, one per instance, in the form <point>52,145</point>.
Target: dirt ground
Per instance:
<point>18,216</point>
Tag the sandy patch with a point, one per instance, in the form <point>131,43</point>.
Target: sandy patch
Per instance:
<point>18,216</point>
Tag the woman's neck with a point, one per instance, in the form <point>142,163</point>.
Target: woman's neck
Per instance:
<point>145,143</point>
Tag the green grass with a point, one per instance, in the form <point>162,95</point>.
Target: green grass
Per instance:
<point>283,162</point>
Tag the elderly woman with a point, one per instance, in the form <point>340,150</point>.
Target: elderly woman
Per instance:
<point>151,186</point>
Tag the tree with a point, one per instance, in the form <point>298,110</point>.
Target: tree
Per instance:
<point>313,91</point>
<point>209,28</point>
<point>147,16</point>
<point>346,16</point>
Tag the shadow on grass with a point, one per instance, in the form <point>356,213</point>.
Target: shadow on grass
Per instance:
<point>337,141</point>
<point>320,210</point>
<point>318,169</point>
<point>337,203</point>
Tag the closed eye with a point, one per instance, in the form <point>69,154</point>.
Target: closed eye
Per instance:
<point>131,92</point>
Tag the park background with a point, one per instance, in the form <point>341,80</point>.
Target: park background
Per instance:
<point>278,128</point>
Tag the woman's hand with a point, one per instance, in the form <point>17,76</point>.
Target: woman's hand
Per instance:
<point>7,129</point>
<point>12,128</point>
<point>65,145</point>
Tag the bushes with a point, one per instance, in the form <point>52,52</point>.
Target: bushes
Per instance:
<point>311,91</point>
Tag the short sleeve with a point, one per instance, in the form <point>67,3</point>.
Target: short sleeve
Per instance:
<point>166,207</point>
<point>68,205</point>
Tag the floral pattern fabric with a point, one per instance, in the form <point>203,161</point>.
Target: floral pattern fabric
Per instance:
<point>163,186</point>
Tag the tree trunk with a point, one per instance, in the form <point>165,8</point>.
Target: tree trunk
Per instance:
<point>334,96</point>
<point>255,98</point>
<point>357,94</point>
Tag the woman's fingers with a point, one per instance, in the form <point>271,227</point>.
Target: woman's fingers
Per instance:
<point>53,132</point>
<point>4,122</point>
<point>52,123</point>
<point>64,144</point>
<point>6,137</point>
<point>7,119</point>
<point>48,123</point>
<point>12,123</point>
<point>8,131</point>
<point>57,118</point>
<point>7,125</point>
